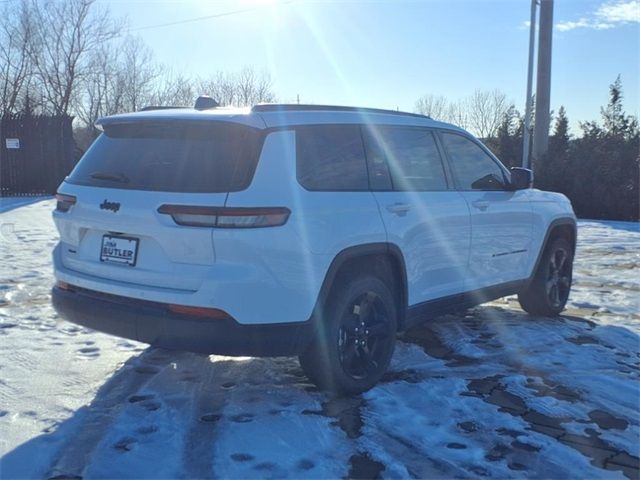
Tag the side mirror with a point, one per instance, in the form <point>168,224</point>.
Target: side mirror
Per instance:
<point>521,178</point>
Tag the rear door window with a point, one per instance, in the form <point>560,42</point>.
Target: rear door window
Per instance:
<point>409,156</point>
<point>331,158</point>
<point>190,157</point>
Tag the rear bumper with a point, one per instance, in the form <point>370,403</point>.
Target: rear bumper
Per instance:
<point>153,323</point>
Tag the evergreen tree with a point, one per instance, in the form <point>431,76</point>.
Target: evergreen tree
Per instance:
<point>553,171</point>
<point>605,163</point>
<point>507,144</point>
<point>560,138</point>
<point>598,171</point>
<point>615,122</point>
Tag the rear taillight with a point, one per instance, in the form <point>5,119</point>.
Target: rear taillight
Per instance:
<point>64,202</point>
<point>226,217</point>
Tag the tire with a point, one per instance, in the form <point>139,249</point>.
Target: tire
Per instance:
<point>355,337</point>
<point>548,292</point>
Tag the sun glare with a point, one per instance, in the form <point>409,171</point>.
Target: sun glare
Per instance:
<point>258,3</point>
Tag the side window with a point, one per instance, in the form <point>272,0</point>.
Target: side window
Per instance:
<point>473,168</point>
<point>411,156</point>
<point>331,157</point>
<point>379,177</point>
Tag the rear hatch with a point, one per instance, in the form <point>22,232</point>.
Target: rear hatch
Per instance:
<point>110,225</point>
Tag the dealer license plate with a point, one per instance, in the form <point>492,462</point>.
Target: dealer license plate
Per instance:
<point>122,250</point>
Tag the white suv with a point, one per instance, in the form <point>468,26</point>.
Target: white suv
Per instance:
<point>310,230</point>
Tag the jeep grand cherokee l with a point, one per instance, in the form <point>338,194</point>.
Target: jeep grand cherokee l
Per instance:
<point>315,231</point>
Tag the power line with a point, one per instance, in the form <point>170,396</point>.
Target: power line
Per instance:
<point>205,17</point>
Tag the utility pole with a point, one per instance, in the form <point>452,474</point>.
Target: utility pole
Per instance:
<point>526,141</point>
<point>543,83</point>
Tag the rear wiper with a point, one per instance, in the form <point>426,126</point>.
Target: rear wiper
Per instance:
<point>115,177</point>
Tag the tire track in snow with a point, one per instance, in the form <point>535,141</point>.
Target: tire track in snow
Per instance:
<point>177,402</point>
<point>207,406</point>
<point>272,425</point>
<point>98,417</point>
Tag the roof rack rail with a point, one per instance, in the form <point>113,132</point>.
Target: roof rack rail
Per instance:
<point>158,107</point>
<point>296,107</point>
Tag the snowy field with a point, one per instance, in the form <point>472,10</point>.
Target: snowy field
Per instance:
<point>490,393</point>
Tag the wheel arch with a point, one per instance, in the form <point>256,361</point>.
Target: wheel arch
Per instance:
<point>382,259</point>
<point>564,227</point>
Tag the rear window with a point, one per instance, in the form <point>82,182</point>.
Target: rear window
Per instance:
<point>190,157</point>
<point>331,158</point>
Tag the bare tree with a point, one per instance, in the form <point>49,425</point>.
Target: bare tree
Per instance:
<point>120,79</point>
<point>173,89</point>
<point>16,33</point>
<point>103,89</point>
<point>253,88</point>
<point>481,112</point>
<point>65,34</point>
<point>439,108</point>
<point>138,72</point>
<point>485,110</point>
<point>60,57</point>
<point>244,88</point>
<point>222,87</point>
<point>457,114</point>
<point>434,106</point>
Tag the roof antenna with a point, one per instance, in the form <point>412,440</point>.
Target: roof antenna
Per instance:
<point>205,102</point>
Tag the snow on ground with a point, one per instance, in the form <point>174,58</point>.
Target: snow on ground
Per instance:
<point>607,268</point>
<point>490,392</point>
<point>9,203</point>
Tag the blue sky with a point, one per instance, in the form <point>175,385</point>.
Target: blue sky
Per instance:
<point>388,53</point>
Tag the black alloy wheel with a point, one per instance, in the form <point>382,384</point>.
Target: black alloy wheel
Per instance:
<point>558,282</point>
<point>548,291</point>
<point>354,337</point>
<point>363,336</point>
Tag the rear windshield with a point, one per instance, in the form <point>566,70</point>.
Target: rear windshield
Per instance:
<point>193,157</point>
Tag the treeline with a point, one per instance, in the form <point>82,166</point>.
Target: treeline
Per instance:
<point>599,170</point>
<point>71,57</point>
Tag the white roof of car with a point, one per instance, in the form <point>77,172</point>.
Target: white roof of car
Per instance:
<point>279,115</point>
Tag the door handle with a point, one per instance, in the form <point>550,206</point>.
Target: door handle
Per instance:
<point>399,209</point>
<point>480,204</point>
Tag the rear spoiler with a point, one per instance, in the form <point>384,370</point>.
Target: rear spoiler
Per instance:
<point>183,114</point>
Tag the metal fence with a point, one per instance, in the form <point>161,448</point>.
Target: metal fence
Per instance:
<point>36,153</point>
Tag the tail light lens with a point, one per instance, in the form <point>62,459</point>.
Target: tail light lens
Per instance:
<point>64,202</point>
<point>227,217</point>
